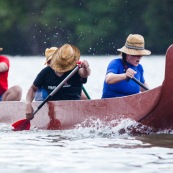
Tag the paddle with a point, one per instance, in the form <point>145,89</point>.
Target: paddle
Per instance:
<point>87,95</point>
<point>25,123</point>
<point>139,83</point>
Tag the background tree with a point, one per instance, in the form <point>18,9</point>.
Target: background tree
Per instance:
<point>96,27</point>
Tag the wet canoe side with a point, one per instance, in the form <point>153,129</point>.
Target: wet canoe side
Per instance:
<point>71,113</point>
<point>162,116</point>
<point>153,107</point>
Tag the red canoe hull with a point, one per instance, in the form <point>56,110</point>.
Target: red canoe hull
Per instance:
<point>153,107</point>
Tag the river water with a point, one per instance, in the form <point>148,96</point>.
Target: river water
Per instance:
<point>99,148</point>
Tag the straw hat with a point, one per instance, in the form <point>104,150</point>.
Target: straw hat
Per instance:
<point>135,45</point>
<point>49,52</point>
<point>1,49</point>
<point>65,58</point>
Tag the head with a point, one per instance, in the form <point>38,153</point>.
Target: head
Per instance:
<point>48,54</point>
<point>65,58</point>
<point>134,49</point>
<point>1,49</point>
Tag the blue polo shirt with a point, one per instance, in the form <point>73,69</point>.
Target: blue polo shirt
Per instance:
<point>125,87</point>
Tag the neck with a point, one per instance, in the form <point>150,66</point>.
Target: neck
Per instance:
<point>59,74</point>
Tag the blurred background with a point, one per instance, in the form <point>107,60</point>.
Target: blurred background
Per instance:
<point>97,27</point>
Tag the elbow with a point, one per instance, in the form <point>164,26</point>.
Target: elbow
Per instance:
<point>89,72</point>
<point>108,80</point>
<point>84,73</point>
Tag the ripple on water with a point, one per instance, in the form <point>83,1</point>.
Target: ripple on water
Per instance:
<point>99,148</point>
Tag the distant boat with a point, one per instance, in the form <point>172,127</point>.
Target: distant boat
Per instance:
<point>152,108</point>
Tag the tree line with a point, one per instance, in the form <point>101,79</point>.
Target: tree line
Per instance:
<point>97,27</point>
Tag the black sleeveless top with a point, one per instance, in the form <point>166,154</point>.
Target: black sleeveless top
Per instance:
<point>48,80</point>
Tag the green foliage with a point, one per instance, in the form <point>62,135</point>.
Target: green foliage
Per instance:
<point>96,27</point>
<point>158,20</point>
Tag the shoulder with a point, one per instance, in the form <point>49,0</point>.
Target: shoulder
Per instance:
<point>115,65</point>
<point>4,59</point>
<point>46,69</point>
<point>140,67</point>
<point>46,72</point>
<point>115,62</point>
<point>4,63</point>
<point>3,56</point>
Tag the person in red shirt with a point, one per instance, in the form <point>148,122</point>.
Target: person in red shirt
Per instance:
<point>13,93</point>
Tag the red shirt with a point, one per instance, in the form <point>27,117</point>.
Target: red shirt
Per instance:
<point>4,75</point>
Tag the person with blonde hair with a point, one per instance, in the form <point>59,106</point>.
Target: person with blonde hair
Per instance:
<point>117,81</point>
<point>13,93</point>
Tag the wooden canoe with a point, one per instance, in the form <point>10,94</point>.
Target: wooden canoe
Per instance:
<point>153,108</point>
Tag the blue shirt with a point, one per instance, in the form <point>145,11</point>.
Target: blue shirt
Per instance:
<point>125,87</point>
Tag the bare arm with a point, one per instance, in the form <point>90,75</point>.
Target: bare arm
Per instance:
<point>29,98</point>
<point>112,78</point>
<point>31,94</point>
<point>3,67</point>
<point>84,71</point>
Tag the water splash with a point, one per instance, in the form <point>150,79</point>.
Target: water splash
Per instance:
<point>94,127</point>
<point>97,128</point>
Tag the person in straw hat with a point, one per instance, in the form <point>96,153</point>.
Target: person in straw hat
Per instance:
<point>63,61</point>
<point>119,71</point>
<point>13,93</point>
<point>41,93</point>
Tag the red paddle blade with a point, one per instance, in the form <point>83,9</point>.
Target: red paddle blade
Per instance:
<point>21,125</point>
